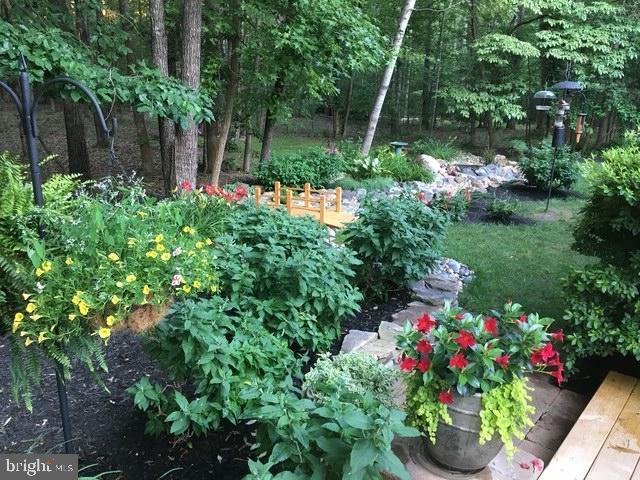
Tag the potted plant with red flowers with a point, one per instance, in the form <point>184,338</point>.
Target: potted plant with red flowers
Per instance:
<point>465,380</point>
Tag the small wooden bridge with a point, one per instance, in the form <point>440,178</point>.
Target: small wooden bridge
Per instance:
<point>323,205</point>
<point>604,444</point>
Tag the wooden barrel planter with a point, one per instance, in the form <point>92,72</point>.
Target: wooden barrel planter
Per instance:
<point>457,446</point>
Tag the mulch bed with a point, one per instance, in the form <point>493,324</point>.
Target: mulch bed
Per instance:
<point>109,431</point>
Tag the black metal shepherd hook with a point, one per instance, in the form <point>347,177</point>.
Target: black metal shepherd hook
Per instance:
<point>26,104</point>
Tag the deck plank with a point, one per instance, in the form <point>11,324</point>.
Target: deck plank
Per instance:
<point>636,474</point>
<point>575,456</point>
<point>619,456</point>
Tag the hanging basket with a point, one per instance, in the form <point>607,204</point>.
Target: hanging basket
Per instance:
<point>139,319</point>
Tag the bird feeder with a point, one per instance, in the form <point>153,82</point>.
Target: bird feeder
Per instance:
<point>398,146</point>
<point>580,119</point>
<point>543,99</point>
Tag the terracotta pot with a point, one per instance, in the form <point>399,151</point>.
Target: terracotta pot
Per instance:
<point>457,446</point>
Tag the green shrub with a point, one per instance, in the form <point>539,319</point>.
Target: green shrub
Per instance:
<point>501,209</point>
<point>396,239</point>
<point>453,206</point>
<point>370,184</point>
<point>212,351</point>
<point>435,148</point>
<point>604,299</point>
<point>336,435</point>
<point>400,167</point>
<point>315,165</point>
<point>352,376</point>
<point>538,165</point>
<point>285,271</point>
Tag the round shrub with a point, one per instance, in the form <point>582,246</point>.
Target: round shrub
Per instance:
<point>315,166</point>
<point>537,166</point>
<point>396,239</point>
<point>285,271</point>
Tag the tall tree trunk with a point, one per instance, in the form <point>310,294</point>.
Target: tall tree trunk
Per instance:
<point>76,140</point>
<point>246,154</point>
<point>395,104</point>
<point>270,120</point>
<point>347,108</point>
<point>405,15</point>
<point>231,92</point>
<point>186,154</point>
<point>142,136</point>
<point>438,71</point>
<point>426,77</point>
<point>160,55</point>
<point>490,131</point>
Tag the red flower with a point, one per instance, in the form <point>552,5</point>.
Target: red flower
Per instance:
<point>464,339</point>
<point>407,364</point>
<point>425,323</point>
<point>458,360</point>
<point>185,185</point>
<point>423,346</point>
<point>491,326</point>
<point>558,336</point>
<point>542,355</point>
<point>208,188</point>
<point>445,397</point>
<point>536,464</point>
<point>421,196</point>
<point>240,191</point>
<point>459,316</point>
<point>423,365</point>
<point>502,360</point>
<point>555,362</point>
<point>523,318</point>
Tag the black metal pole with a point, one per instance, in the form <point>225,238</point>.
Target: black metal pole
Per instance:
<point>553,171</point>
<point>28,126</point>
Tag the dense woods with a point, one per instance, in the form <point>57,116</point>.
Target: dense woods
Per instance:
<point>211,69</point>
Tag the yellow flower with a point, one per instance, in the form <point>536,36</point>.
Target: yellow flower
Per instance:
<point>113,257</point>
<point>39,272</point>
<point>186,288</point>
<point>160,247</point>
<point>83,308</point>
<point>131,278</point>
<point>158,238</point>
<point>46,266</point>
<point>26,295</point>
<point>76,299</point>
<point>214,288</point>
<point>146,290</point>
<point>69,261</point>
<point>41,337</point>
<point>165,256</point>
<point>197,284</point>
<point>208,241</point>
<point>110,320</point>
<point>104,332</point>
<point>31,307</point>
<point>131,242</point>
<point>191,253</point>
<point>35,317</point>
<point>119,284</point>
<point>18,317</point>
<point>187,229</point>
<point>152,254</point>
<point>72,316</point>
<point>115,299</point>
<point>199,245</point>
<point>27,342</point>
<point>141,214</point>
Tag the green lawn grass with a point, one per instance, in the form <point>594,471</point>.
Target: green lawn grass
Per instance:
<point>525,263</point>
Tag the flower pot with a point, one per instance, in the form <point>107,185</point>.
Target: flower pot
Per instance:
<point>457,446</point>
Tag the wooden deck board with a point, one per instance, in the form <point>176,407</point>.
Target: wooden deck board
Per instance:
<point>575,456</point>
<point>619,455</point>
<point>333,219</point>
<point>636,474</point>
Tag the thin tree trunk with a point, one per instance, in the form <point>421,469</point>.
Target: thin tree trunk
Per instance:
<point>347,108</point>
<point>246,154</point>
<point>76,140</point>
<point>388,73</point>
<point>438,71</point>
<point>426,78</point>
<point>270,120</point>
<point>231,92</point>
<point>142,136</point>
<point>186,147</point>
<point>395,104</point>
<point>160,55</point>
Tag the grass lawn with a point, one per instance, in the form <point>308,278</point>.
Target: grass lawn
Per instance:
<point>289,144</point>
<point>523,262</point>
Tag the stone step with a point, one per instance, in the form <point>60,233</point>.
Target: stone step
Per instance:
<point>413,311</point>
<point>383,350</point>
<point>356,339</point>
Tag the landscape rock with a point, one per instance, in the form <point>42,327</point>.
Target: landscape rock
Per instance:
<point>387,331</point>
<point>431,163</point>
<point>356,339</point>
<point>413,311</point>
<point>383,350</point>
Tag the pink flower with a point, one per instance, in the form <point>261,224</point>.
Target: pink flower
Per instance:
<point>536,463</point>
<point>176,280</point>
<point>421,196</point>
<point>185,185</point>
<point>208,188</point>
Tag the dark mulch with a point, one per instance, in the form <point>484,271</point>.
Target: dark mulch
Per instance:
<point>523,192</point>
<point>591,371</point>
<point>109,431</point>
